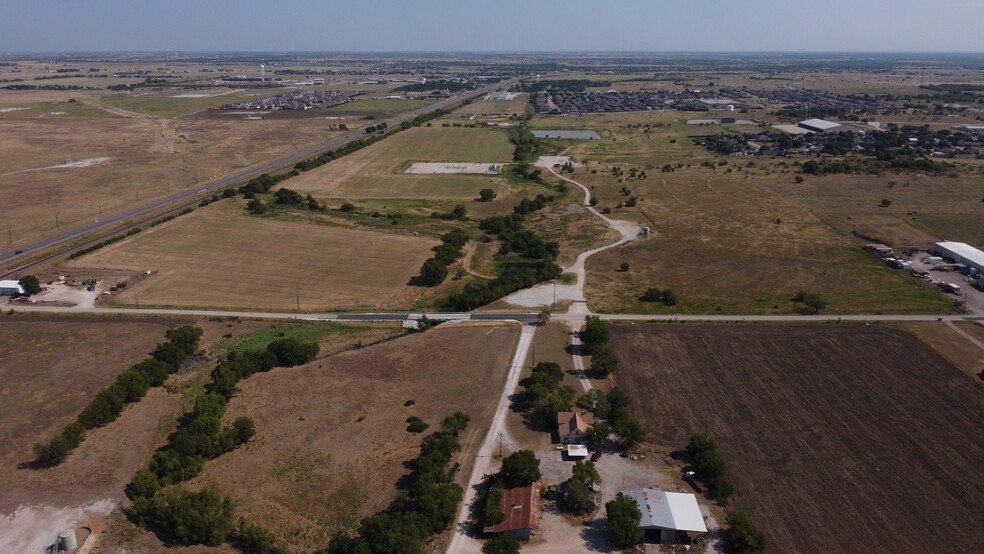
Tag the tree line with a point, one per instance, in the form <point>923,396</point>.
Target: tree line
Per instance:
<point>425,507</point>
<point>130,386</point>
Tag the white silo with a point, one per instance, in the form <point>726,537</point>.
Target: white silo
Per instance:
<point>67,541</point>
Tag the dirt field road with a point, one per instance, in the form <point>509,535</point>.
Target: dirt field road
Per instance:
<point>461,542</point>
<point>547,293</point>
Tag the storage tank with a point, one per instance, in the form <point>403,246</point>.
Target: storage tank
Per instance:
<point>67,541</point>
<point>729,108</point>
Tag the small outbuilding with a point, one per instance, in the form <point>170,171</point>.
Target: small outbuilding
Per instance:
<point>667,512</point>
<point>577,451</point>
<point>521,506</point>
<point>10,288</point>
<point>572,427</point>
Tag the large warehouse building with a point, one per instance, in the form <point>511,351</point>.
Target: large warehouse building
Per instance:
<point>823,126</point>
<point>962,253</point>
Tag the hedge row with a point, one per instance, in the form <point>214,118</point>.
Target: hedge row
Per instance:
<point>130,386</point>
<point>129,233</point>
<point>435,270</point>
<point>426,507</point>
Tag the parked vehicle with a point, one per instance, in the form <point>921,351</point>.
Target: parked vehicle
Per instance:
<point>596,456</point>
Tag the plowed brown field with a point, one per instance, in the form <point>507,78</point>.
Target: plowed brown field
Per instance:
<point>838,438</point>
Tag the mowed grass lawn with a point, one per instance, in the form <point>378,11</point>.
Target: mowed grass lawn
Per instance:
<point>219,257</point>
<point>377,171</point>
<point>724,241</point>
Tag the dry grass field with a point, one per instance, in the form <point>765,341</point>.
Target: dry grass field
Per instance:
<point>839,438</point>
<point>377,171</point>
<point>219,256</point>
<point>170,103</point>
<point>738,238</point>
<point>331,440</point>
<point>148,159</point>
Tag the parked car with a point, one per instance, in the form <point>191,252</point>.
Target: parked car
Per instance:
<point>596,456</point>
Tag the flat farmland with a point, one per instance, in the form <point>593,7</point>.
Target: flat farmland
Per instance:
<point>219,256</point>
<point>377,171</point>
<point>331,440</point>
<point>148,158</point>
<point>839,438</point>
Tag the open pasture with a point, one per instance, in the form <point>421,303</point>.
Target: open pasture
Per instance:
<point>176,102</point>
<point>222,257</point>
<point>838,438</point>
<point>331,442</point>
<point>149,159</point>
<point>740,237</point>
<point>377,171</point>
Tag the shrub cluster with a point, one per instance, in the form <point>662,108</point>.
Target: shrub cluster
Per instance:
<point>459,212</point>
<point>653,294</point>
<point>435,270</point>
<point>742,535</point>
<point>426,507</point>
<point>709,465</point>
<point>130,386</point>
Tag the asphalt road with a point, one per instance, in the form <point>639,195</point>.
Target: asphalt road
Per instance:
<point>191,196</point>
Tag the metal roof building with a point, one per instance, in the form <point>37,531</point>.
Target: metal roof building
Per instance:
<point>10,288</point>
<point>667,512</point>
<point>823,126</point>
<point>521,506</point>
<point>962,253</point>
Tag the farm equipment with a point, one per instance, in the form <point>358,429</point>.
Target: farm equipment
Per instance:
<point>691,478</point>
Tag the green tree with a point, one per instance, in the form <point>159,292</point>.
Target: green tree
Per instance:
<point>520,469</point>
<point>742,535</point>
<point>603,360</point>
<point>30,284</point>
<point>595,401</point>
<point>191,517</point>
<point>595,332</point>
<point>597,434</point>
<point>798,179</point>
<point>291,352</point>
<point>579,498</point>
<point>144,485</point>
<point>669,298</point>
<point>487,195</point>
<point>624,266</point>
<point>455,423</point>
<point>652,294</point>
<point>459,212</point>
<point>814,302</point>
<point>503,543</point>
<point>256,206</point>
<point>623,522</point>
<point>433,272</point>
<point>630,431</point>
<point>585,472</point>
<point>543,317</point>
<point>185,336</point>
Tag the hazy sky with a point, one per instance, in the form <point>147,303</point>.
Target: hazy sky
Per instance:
<point>491,25</point>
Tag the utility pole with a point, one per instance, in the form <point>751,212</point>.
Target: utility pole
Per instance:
<point>297,286</point>
<point>56,222</point>
<point>500,445</point>
<point>10,237</point>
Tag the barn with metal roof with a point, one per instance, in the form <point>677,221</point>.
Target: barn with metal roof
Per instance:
<point>667,512</point>
<point>962,253</point>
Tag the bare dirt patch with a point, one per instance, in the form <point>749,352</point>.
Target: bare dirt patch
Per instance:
<point>860,427</point>
<point>314,466</point>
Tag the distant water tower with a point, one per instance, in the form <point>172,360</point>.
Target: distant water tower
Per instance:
<point>262,70</point>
